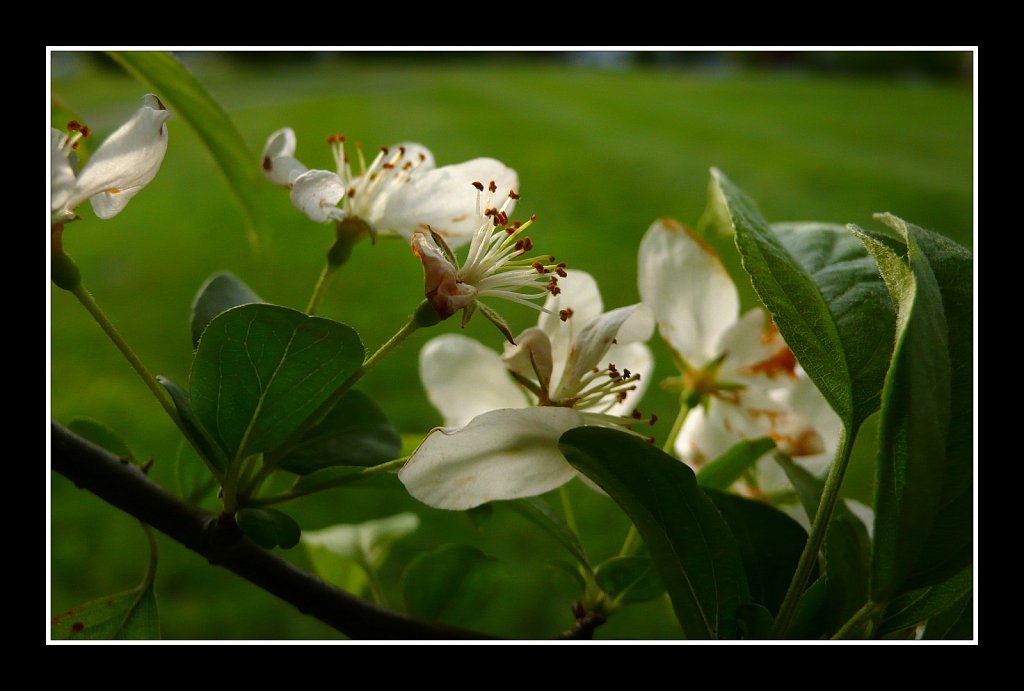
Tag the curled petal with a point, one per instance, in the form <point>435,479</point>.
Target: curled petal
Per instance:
<point>125,163</point>
<point>530,357</point>
<point>444,199</point>
<point>278,160</point>
<point>623,325</point>
<point>503,454</point>
<point>464,379</point>
<point>441,286</point>
<point>316,193</point>
<point>62,175</point>
<point>580,298</point>
<point>693,299</point>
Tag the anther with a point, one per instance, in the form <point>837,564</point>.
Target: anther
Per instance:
<point>566,315</point>
<point>267,163</point>
<point>552,286</point>
<point>384,150</point>
<point>478,185</point>
<point>539,267</point>
<point>637,414</point>
<point>654,418</point>
<point>513,194</point>
<point>492,187</point>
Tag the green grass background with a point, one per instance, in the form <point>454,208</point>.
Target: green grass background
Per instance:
<point>601,154</point>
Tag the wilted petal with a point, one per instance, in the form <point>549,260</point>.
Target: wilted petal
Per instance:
<point>756,354</point>
<point>684,282</point>
<point>464,379</point>
<point>62,176</point>
<point>444,199</point>
<point>530,357</point>
<point>278,161</point>
<point>731,417</point>
<point>316,193</point>
<point>637,358</point>
<point>125,163</point>
<point>580,294</point>
<point>624,325</point>
<point>441,284</point>
<point>503,454</point>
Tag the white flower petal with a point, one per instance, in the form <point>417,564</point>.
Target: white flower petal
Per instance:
<point>693,299</point>
<point>368,540</point>
<point>62,175</point>
<point>125,163</point>
<point>278,161</point>
<point>444,199</point>
<point>625,325</point>
<point>503,454</point>
<point>756,354</point>
<point>731,416</point>
<point>530,356</point>
<point>637,358</point>
<point>316,193</point>
<point>580,294</point>
<point>464,379</point>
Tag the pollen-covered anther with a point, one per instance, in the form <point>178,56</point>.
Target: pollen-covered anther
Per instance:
<point>539,268</point>
<point>637,415</point>
<point>654,418</point>
<point>625,373</point>
<point>401,152</point>
<point>478,185</point>
<point>385,150</point>
<point>512,194</point>
<point>560,270</point>
<point>552,286</point>
<point>492,187</point>
<point>524,245</point>
<point>566,315</point>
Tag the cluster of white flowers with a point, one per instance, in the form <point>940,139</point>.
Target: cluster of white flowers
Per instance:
<point>504,413</point>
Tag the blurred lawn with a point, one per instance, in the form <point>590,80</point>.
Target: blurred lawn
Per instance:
<point>600,155</point>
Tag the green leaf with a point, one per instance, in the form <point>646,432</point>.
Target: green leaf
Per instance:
<point>696,555</point>
<point>220,293</point>
<point>770,544</point>
<point>629,579</point>
<point>262,370</point>
<point>128,616</point>
<point>950,545</point>
<point>722,472</point>
<point>189,99</point>
<point>826,298</point>
<point>198,436</point>
<point>808,621</point>
<point>544,517</point>
<point>918,606</point>
<point>755,622</point>
<point>847,549</point>
<point>102,436</point>
<point>923,509</point>
<point>451,584</point>
<point>269,528</point>
<point>131,615</point>
<point>955,623</point>
<point>354,433</point>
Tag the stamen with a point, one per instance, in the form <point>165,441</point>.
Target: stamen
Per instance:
<point>478,185</point>
<point>512,194</point>
<point>492,188</point>
<point>566,315</point>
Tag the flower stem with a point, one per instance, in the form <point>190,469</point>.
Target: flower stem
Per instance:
<point>857,621</point>
<point>829,498</point>
<point>633,537</point>
<point>148,379</point>
<point>320,288</point>
<point>339,482</point>
<point>570,515</point>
